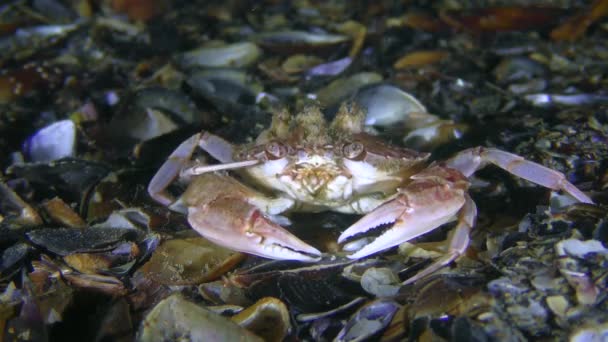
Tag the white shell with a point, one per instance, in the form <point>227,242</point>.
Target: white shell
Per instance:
<point>53,142</point>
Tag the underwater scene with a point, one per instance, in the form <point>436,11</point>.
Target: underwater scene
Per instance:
<point>392,170</point>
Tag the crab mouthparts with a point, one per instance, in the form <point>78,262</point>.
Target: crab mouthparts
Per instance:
<point>312,178</point>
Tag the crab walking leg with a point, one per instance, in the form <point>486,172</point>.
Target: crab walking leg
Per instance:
<point>170,169</point>
<point>230,214</point>
<point>469,161</point>
<point>422,206</point>
<point>458,243</point>
<point>174,166</point>
<point>219,149</point>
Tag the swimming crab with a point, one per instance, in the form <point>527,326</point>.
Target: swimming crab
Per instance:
<point>305,163</point>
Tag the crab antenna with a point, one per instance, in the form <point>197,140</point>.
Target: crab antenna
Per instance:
<point>200,169</point>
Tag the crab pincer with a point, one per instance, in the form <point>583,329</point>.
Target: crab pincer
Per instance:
<point>221,210</point>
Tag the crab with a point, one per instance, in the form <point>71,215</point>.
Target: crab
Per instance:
<point>304,163</point>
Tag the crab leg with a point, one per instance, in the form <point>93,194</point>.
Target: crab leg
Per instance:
<point>425,204</point>
<point>469,161</point>
<point>458,243</point>
<point>232,215</point>
<point>175,165</point>
<point>170,169</point>
<point>217,147</point>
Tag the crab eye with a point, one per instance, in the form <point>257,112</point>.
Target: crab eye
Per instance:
<point>275,150</point>
<point>353,150</point>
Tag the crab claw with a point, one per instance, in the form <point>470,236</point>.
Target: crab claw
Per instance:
<point>239,225</point>
<point>410,214</point>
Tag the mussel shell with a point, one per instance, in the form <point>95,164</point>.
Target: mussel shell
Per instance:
<point>28,41</point>
<point>64,241</point>
<point>332,68</point>
<point>237,76</point>
<point>444,295</point>
<point>235,55</point>
<point>290,42</point>
<point>368,321</point>
<point>234,101</point>
<point>340,89</point>
<point>70,176</point>
<point>307,294</point>
<point>515,69</point>
<point>386,104</point>
<point>54,10</point>
<point>115,322</point>
<point>12,257</point>
<point>297,63</point>
<point>125,188</point>
<point>315,288</point>
<point>178,104</point>
<point>325,329</point>
<point>222,92</point>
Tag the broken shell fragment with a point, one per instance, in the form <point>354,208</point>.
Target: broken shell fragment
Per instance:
<point>590,332</point>
<point>267,318</point>
<point>42,299</point>
<point>220,292</point>
<point>55,141</point>
<point>572,255</point>
<point>309,317</point>
<point>189,261</point>
<point>11,205</point>
<point>111,286</point>
<point>176,318</point>
<point>89,263</point>
<point>381,282</point>
<point>558,304</point>
<point>62,213</point>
